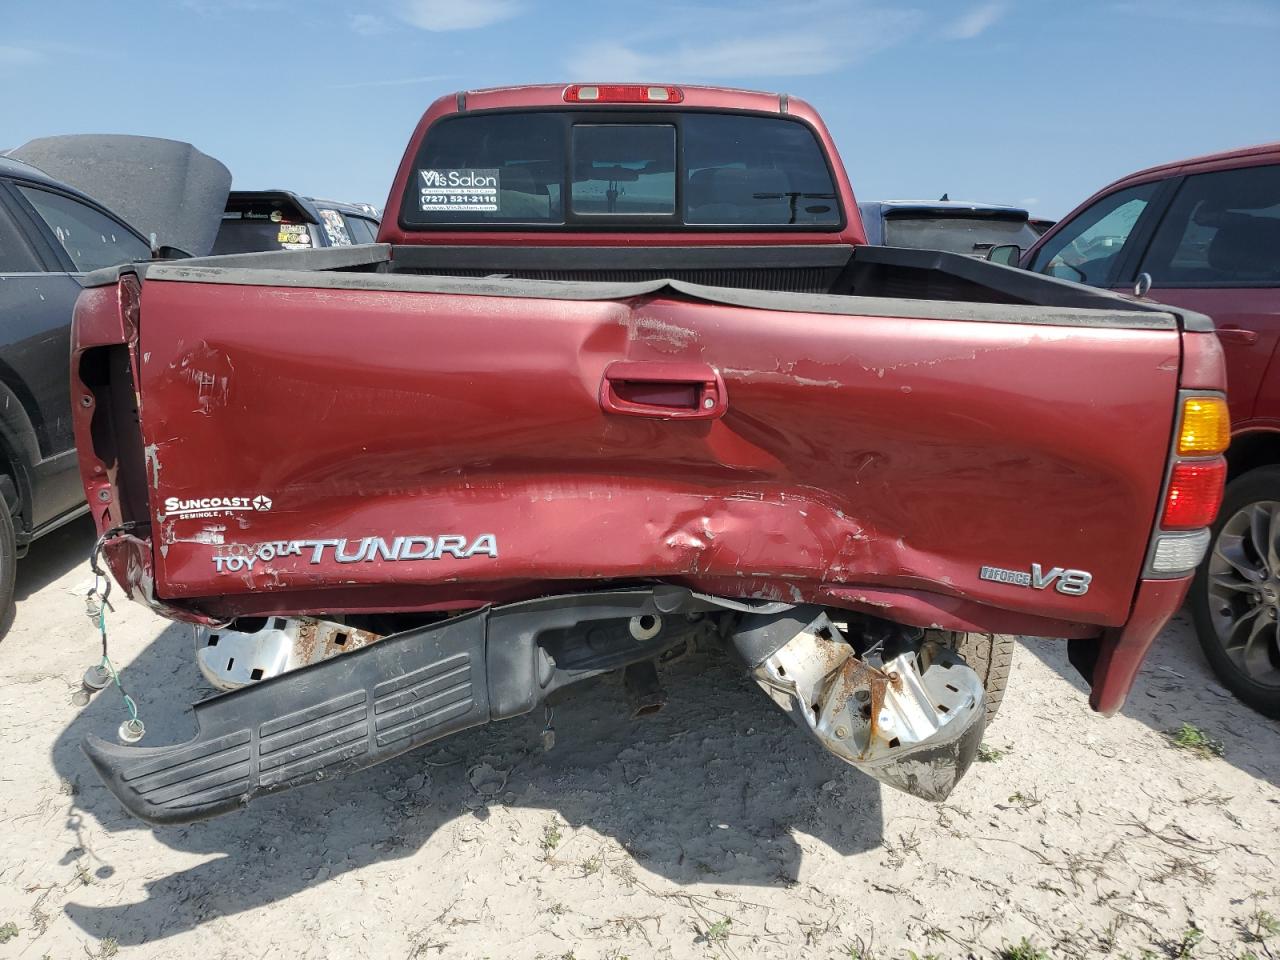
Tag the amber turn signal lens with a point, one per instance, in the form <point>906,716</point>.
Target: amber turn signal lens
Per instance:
<point>1206,427</point>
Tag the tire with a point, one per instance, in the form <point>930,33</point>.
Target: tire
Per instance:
<point>8,566</point>
<point>990,655</point>
<point>1226,605</point>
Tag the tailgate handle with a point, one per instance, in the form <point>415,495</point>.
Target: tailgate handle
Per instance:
<point>1237,335</point>
<point>663,391</point>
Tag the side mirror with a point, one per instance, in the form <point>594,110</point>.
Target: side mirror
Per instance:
<point>1007,253</point>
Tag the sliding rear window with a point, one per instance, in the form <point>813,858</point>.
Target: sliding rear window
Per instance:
<point>619,170</point>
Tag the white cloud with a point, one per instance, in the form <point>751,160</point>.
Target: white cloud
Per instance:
<point>367,24</point>
<point>755,48</point>
<point>976,20</point>
<point>18,56</point>
<point>438,15</point>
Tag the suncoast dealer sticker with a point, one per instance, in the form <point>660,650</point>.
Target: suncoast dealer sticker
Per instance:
<point>215,506</point>
<point>458,190</point>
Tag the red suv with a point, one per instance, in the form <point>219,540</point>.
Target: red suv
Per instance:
<point>1206,233</point>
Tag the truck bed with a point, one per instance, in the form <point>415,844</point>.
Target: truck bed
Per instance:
<point>839,270</point>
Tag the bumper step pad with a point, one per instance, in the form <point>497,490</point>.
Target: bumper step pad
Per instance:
<point>398,694</point>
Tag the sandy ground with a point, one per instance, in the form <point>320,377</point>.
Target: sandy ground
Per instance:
<point>712,829</point>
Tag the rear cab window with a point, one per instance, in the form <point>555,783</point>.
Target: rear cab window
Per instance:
<point>584,169</point>
<point>624,169</point>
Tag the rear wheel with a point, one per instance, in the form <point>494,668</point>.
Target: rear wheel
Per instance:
<point>990,655</point>
<point>1235,598</point>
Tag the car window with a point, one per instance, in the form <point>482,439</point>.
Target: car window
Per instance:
<point>91,238</point>
<point>1086,248</point>
<point>255,232</point>
<point>624,169</point>
<point>15,255</point>
<point>489,168</point>
<point>361,230</point>
<point>335,228</point>
<point>972,236</point>
<point>755,171</point>
<point>1222,229</point>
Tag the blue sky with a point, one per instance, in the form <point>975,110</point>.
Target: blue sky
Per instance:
<point>1035,102</point>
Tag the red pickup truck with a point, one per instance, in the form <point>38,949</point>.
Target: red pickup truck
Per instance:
<point>622,377</point>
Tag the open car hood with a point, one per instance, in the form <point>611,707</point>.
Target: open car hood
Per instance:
<point>165,187</point>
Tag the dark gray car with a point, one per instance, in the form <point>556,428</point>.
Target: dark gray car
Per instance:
<point>51,235</point>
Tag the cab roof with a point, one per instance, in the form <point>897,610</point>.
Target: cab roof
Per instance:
<point>553,95</point>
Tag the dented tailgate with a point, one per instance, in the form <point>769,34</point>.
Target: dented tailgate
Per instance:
<point>323,450</point>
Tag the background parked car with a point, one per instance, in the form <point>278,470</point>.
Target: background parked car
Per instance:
<point>162,188</point>
<point>257,220</point>
<point>1207,233</point>
<point>952,225</point>
<point>51,235</point>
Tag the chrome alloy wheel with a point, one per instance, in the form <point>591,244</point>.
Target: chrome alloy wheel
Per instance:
<point>1244,590</point>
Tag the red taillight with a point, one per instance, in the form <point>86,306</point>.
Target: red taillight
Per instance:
<point>1194,495</point>
<point>621,93</point>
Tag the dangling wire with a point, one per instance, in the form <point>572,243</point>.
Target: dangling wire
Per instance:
<point>548,731</point>
<point>100,575</point>
<point>97,605</point>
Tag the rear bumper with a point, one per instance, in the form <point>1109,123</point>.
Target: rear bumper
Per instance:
<point>333,717</point>
<point>1121,651</point>
<point>913,722</point>
<point>360,709</point>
